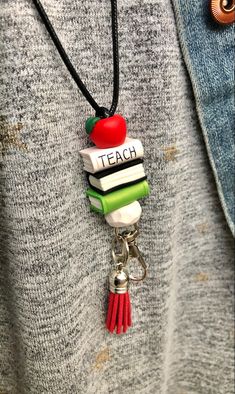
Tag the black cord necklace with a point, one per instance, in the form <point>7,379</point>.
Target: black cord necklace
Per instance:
<point>116,178</point>
<point>100,111</point>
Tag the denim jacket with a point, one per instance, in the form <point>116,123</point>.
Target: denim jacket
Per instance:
<point>209,56</point>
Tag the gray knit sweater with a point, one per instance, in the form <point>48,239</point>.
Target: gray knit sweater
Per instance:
<point>55,253</point>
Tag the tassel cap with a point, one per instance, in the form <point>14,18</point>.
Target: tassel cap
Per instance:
<point>119,306</point>
<point>119,281</point>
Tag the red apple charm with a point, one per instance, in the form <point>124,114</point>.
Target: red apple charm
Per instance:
<point>107,132</point>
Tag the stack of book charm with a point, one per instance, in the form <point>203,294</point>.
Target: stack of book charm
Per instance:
<point>115,171</point>
<point>117,181</point>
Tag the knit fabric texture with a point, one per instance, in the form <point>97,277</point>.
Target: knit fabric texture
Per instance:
<point>56,254</point>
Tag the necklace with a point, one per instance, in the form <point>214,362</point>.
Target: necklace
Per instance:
<point>116,178</point>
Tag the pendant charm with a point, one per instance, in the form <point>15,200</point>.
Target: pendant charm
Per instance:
<point>125,216</point>
<point>117,180</point>
<point>107,132</point>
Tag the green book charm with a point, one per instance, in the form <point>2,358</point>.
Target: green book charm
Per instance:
<point>117,199</point>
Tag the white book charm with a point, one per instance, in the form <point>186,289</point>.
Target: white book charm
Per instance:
<point>96,159</point>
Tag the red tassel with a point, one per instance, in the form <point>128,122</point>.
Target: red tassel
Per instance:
<point>119,312</point>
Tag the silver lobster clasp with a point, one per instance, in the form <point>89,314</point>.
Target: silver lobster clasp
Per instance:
<point>129,239</point>
<point>134,252</point>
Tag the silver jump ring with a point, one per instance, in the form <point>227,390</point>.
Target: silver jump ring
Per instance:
<point>128,235</point>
